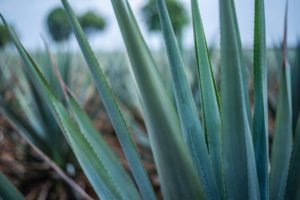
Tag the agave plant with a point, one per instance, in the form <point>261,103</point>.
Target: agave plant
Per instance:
<point>29,113</point>
<point>223,155</point>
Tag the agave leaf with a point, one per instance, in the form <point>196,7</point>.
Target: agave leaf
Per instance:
<point>295,78</point>
<point>86,155</point>
<point>283,138</point>
<point>161,119</point>
<point>293,182</point>
<point>8,190</point>
<point>282,143</point>
<point>92,166</point>
<point>190,123</point>
<point>155,72</point>
<point>135,24</point>
<point>260,116</point>
<point>209,97</point>
<point>238,154</point>
<point>62,65</point>
<point>112,108</point>
<point>243,67</point>
<point>104,152</point>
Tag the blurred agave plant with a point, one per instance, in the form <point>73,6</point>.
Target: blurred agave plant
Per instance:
<point>28,112</point>
<point>222,156</point>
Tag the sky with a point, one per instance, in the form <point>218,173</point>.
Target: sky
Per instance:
<point>29,19</point>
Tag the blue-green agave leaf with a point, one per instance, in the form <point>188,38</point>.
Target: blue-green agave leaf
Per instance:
<point>112,108</point>
<point>295,82</point>
<point>260,116</point>
<point>243,67</point>
<point>282,143</point>
<point>239,166</point>
<point>283,138</point>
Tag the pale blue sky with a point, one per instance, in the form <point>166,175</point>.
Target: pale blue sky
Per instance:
<point>28,17</point>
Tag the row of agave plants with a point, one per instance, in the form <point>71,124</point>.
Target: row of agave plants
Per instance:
<point>219,153</point>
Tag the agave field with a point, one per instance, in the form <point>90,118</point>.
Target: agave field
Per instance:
<point>206,123</point>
